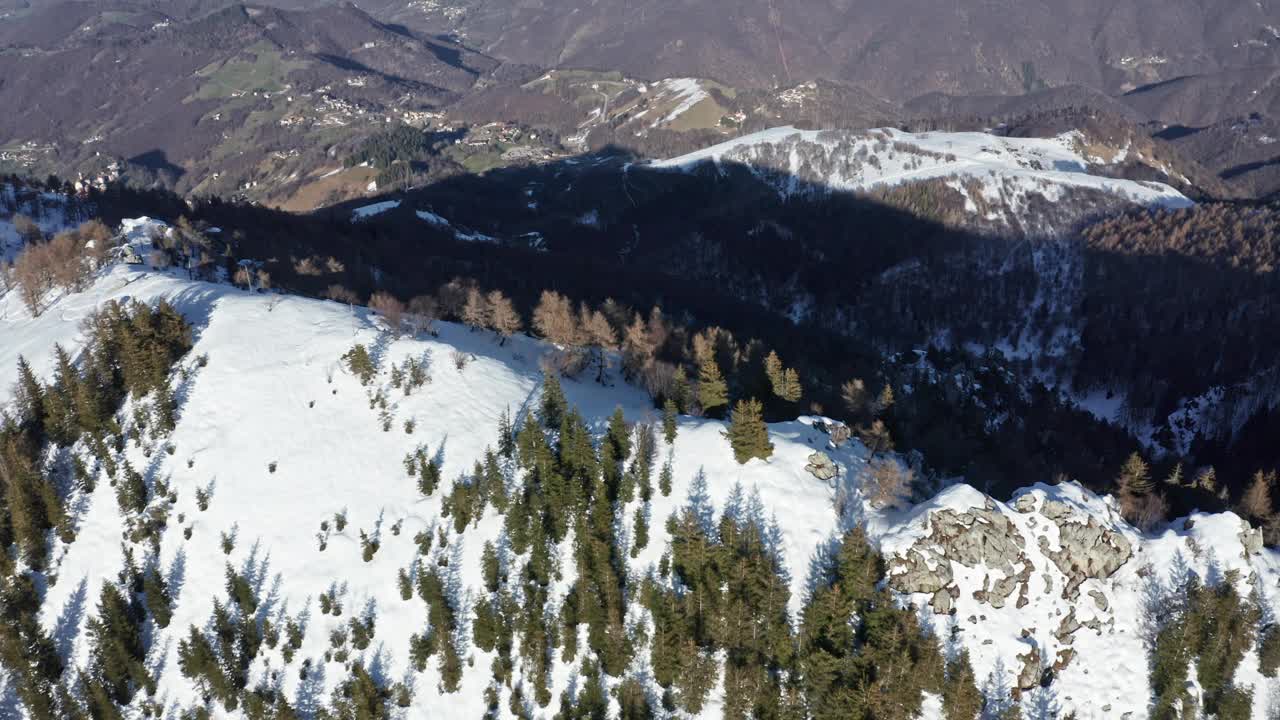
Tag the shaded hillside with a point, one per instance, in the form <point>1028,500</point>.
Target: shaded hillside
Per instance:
<point>220,95</point>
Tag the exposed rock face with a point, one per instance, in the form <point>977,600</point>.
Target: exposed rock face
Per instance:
<point>979,536</point>
<point>822,466</point>
<point>1086,550</point>
<point>920,573</point>
<point>1251,538</point>
<point>988,538</point>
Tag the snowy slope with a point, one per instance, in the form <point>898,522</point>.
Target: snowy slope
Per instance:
<point>1006,170</point>
<point>273,391</point>
<point>269,357</point>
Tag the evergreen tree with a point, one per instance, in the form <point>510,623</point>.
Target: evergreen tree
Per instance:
<point>713,393</point>
<point>360,363</point>
<point>669,412</point>
<point>590,702</point>
<point>960,697</point>
<point>29,400</point>
<point>554,404</point>
<point>633,701</point>
<point>876,666</point>
<point>117,655</point>
<point>59,415</point>
<point>158,600</point>
<point>665,478</point>
<point>428,477</point>
<point>681,394</point>
<point>640,537</point>
<point>748,433</point>
<point>27,654</point>
<point>359,697</point>
<point>506,434</point>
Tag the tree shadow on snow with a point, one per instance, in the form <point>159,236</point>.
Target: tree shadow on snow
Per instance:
<point>66,629</point>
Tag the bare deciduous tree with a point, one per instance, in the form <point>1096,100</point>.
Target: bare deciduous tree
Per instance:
<point>554,319</point>
<point>390,308</point>
<point>342,294</point>
<point>597,334</point>
<point>421,314</point>
<point>503,318</point>
<point>475,311</point>
<point>889,483</point>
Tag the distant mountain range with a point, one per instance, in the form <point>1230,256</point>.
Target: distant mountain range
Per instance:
<point>263,100</point>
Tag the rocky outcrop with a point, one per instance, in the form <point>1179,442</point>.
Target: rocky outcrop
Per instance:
<point>973,538</point>
<point>1251,539</point>
<point>822,467</point>
<point>1085,551</point>
<point>988,538</point>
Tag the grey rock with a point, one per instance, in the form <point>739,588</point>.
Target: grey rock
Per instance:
<point>917,573</point>
<point>1251,538</point>
<point>1025,503</point>
<point>941,602</point>
<point>1088,550</point>
<point>822,466</point>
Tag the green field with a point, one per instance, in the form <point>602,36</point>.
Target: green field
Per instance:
<point>260,67</point>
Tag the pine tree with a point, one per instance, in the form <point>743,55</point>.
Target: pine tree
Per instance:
<point>680,392</point>
<point>640,533</point>
<point>879,664</point>
<point>669,412</point>
<point>506,434</point>
<point>665,478</point>
<point>165,415</point>
<point>748,433</point>
<point>554,404</point>
<point>360,363</point>
<point>59,415</point>
<point>961,699</point>
<point>117,654</point>
<point>713,393</point>
<point>29,399</point>
<point>359,697</point>
<point>158,600</point>
<point>490,566</point>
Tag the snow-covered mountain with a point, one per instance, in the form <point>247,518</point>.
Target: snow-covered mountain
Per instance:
<point>282,439</point>
<point>1004,181</point>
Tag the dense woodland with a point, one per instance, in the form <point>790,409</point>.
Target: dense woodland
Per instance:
<point>723,251</point>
